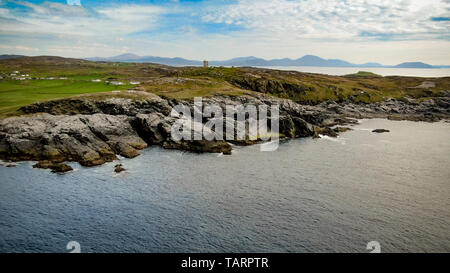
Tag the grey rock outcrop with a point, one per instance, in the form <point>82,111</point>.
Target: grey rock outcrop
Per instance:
<point>94,131</point>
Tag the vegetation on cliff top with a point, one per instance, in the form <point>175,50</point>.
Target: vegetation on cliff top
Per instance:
<point>17,93</point>
<point>188,82</point>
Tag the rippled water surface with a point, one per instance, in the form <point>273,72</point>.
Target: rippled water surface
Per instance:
<point>311,195</point>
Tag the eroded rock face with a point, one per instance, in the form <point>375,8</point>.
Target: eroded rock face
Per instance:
<point>117,132</point>
<point>153,127</point>
<point>110,106</point>
<point>55,138</point>
<point>429,110</point>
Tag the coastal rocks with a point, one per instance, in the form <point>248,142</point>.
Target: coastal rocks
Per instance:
<point>93,131</point>
<point>333,121</point>
<point>117,132</point>
<point>379,131</point>
<point>429,110</point>
<point>287,126</point>
<point>54,166</point>
<point>270,86</point>
<point>302,128</point>
<point>292,127</point>
<point>89,139</point>
<point>426,117</point>
<point>61,107</point>
<point>131,105</point>
<point>153,128</point>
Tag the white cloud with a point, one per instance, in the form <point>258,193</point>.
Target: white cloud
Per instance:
<point>334,19</point>
<point>57,18</point>
<point>351,30</point>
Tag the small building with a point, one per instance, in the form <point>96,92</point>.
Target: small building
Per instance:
<point>205,63</point>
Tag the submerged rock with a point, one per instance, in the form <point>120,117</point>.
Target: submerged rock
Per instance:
<point>61,168</point>
<point>380,131</point>
<point>119,168</point>
<point>200,146</point>
<point>56,167</point>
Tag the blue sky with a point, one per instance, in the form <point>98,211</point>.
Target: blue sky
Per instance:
<point>360,31</point>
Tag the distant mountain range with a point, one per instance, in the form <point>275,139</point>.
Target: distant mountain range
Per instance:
<point>307,60</point>
<point>147,59</point>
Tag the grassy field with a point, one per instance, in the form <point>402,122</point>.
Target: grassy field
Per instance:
<point>16,93</point>
<point>187,88</point>
<point>189,82</point>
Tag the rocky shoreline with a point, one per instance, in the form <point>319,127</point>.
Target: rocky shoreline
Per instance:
<point>93,132</point>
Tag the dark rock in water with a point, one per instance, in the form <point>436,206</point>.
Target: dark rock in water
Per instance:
<point>287,126</point>
<point>119,168</point>
<point>326,131</point>
<point>200,146</point>
<point>302,128</point>
<point>11,165</point>
<point>61,168</point>
<point>56,167</point>
<point>342,129</point>
<point>380,131</point>
<point>124,150</point>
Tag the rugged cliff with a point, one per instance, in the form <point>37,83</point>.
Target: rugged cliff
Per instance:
<point>94,131</point>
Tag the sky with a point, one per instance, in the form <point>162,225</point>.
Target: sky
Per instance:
<point>359,31</point>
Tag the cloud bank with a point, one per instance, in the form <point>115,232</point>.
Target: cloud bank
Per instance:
<point>357,30</point>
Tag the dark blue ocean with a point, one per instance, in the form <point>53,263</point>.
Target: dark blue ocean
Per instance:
<point>311,195</point>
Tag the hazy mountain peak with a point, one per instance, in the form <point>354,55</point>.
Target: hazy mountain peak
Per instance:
<point>126,56</point>
<point>413,65</point>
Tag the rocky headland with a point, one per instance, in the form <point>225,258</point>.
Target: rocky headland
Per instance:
<point>62,110</point>
<point>95,131</point>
